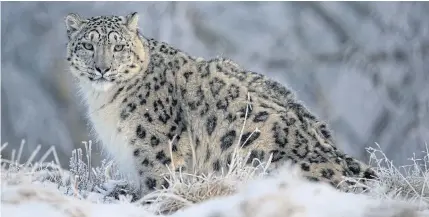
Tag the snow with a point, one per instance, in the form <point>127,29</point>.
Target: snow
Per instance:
<point>47,190</point>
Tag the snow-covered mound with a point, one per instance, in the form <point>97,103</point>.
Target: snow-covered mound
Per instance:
<point>44,189</point>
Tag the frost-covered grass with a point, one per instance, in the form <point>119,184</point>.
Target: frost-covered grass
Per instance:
<point>407,183</point>
<point>44,188</point>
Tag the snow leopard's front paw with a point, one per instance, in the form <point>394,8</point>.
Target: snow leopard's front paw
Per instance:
<point>118,188</point>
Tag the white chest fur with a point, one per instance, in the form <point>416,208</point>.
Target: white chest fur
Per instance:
<point>105,119</point>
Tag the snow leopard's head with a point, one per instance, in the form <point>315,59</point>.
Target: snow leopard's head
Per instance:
<point>104,50</point>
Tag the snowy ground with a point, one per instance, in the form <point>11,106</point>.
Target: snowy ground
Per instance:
<point>44,189</point>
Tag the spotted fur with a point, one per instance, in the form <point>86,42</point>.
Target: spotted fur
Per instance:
<point>154,98</point>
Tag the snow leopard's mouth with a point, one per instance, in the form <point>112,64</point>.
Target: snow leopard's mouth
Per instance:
<point>102,84</point>
<point>103,80</point>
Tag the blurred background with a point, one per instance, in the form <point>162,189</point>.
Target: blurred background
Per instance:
<point>361,66</point>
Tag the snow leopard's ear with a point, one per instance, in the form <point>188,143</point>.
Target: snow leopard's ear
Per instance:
<point>73,23</point>
<point>132,20</point>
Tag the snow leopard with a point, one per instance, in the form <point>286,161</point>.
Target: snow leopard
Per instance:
<point>156,108</point>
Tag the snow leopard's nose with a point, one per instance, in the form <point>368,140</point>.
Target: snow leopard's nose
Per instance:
<point>102,70</point>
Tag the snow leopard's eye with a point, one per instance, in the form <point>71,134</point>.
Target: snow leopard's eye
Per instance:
<point>88,46</point>
<point>118,48</point>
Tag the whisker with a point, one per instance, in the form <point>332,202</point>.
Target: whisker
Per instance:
<point>97,110</point>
